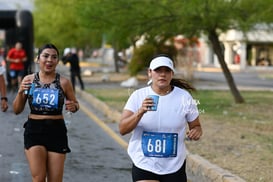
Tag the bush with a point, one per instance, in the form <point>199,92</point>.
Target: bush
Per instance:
<point>141,58</point>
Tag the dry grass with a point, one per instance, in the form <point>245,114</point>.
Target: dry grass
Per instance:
<point>237,137</point>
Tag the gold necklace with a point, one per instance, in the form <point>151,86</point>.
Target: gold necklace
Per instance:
<point>169,90</point>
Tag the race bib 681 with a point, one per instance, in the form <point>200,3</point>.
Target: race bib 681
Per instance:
<point>156,144</point>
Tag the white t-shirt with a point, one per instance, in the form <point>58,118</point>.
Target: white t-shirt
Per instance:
<point>174,110</point>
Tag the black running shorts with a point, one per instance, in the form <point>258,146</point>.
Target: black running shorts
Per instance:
<point>50,133</point>
<point>140,174</point>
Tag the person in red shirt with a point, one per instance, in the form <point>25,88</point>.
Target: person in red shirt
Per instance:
<point>16,57</point>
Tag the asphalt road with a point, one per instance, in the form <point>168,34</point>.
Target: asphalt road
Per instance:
<point>95,155</point>
<point>244,80</point>
<point>207,78</point>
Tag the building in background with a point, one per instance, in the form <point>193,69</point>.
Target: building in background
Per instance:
<point>253,49</point>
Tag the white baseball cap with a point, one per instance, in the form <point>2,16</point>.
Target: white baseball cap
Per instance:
<point>66,51</point>
<point>161,61</point>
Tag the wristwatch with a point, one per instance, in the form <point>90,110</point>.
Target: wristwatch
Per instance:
<point>4,98</point>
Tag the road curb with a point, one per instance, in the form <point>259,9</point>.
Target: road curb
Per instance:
<point>201,170</point>
<point>198,168</point>
<point>101,106</point>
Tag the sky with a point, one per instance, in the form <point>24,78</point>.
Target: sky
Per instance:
<point>16,4</point>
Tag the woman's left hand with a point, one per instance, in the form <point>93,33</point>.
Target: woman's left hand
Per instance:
<point>4,105</point>
<point>71,106</point>
<point>195,133</point>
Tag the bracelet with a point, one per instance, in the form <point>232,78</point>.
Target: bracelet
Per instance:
<point>4,98</point>
<point>76,108</point>
<point>19,92</point>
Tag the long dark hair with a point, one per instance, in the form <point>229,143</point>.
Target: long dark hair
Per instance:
<point>183,84</point>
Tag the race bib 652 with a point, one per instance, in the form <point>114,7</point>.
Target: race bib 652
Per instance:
<point>47,98</point>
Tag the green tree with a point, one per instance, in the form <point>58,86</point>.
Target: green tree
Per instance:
<point>193,18</point>
<point>61,23</point>
<point>124,20</point>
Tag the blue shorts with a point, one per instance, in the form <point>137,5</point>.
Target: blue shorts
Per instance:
<point>140,174</point>
<point>15,73</point>
<point>50,133</point>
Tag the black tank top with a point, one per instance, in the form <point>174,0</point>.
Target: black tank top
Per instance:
<point>46,99</point>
